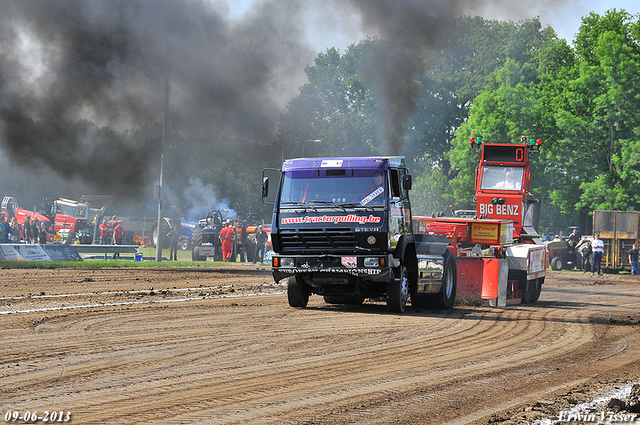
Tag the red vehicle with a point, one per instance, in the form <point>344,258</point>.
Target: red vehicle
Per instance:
<point>500,257</point>
<point>11,209</point>
<point>66,219</point>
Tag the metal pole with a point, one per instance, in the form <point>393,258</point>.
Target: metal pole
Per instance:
<point>164,135</point>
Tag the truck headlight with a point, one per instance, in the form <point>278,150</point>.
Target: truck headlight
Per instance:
<point>371,262</point>
<point>286,262</point>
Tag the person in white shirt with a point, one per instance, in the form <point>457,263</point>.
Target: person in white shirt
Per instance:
<point>598,249</point>
<point>509,182</point>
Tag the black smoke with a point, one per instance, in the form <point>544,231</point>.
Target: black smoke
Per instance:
<point>64,64</point>
<point>78,76</point>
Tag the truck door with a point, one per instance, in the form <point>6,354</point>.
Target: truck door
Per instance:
<point>400,207</point>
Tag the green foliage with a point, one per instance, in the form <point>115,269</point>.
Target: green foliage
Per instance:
<point>431,181</point>
<point>597,116</point>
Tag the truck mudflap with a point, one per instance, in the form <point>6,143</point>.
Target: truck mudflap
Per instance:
<point>331,267</point>
<point>430,272</point>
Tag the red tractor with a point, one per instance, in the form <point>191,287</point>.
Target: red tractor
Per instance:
<point>67,220</point>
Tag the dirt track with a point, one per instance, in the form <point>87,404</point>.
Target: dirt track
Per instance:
<point>212,346</point>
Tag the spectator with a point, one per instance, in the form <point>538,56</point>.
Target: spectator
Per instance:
<point>43,233</point>
<point>633,260</point>
<point>112,223</point>
<point>118,234</point>
<point>27,229</point>
<point>104,232</point>
<point>585,254</point>
<point>16,230</point>
<point>35,230</point>
<point>261,240</point>
<point>598,249</point>
<point>226,236</point>
<point>174,237</point>
<point>574,238</point>
<point>8,230</point>
<point>3,228</point>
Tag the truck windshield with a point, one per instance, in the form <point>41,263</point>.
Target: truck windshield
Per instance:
<point>334,187</point>
<point>508,178</point>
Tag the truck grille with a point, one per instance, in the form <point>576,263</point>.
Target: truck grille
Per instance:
<point>321,240</point>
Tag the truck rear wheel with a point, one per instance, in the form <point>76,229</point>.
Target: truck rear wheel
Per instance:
<point>446,297</point>
<point>297,292</point>
<point>398,292</point>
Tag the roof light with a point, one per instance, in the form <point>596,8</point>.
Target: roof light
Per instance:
<point>476,142</point>
<point>534,145</point>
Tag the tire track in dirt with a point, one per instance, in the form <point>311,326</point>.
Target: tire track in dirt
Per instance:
<point>259,361</point>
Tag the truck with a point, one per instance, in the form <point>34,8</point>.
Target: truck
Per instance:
<point>500,256</point>
<point>342,229</point>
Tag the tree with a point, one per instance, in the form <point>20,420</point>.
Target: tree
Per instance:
<point>334,106</point>
<point>598,116</point>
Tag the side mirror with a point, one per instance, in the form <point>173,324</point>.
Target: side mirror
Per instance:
<point>406,182</point>
<point>265,187</point>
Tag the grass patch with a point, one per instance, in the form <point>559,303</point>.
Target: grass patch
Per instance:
<point>127,260</point>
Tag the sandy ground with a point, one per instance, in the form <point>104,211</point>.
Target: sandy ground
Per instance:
<point>222,346</point>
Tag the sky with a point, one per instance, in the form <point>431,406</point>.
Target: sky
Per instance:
<point>325,30</point>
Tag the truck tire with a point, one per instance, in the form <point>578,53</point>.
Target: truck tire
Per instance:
<point>398,292</point>
<point>297,292</point>
<point>537,289</point>
<point>446,298</point>
<point>527,292</point>
<point>185,245</point>
<point>164,229</point>
<point>557,263</point>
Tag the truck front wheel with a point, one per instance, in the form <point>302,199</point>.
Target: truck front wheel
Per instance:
<point>398,292</point>
<point>297,292</point>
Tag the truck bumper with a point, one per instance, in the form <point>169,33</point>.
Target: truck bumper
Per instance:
<point>333,269</point>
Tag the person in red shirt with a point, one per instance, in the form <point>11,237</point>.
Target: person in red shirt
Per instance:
<point>104,232</point>
<point>226,236</point>
<point>118,234</point>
